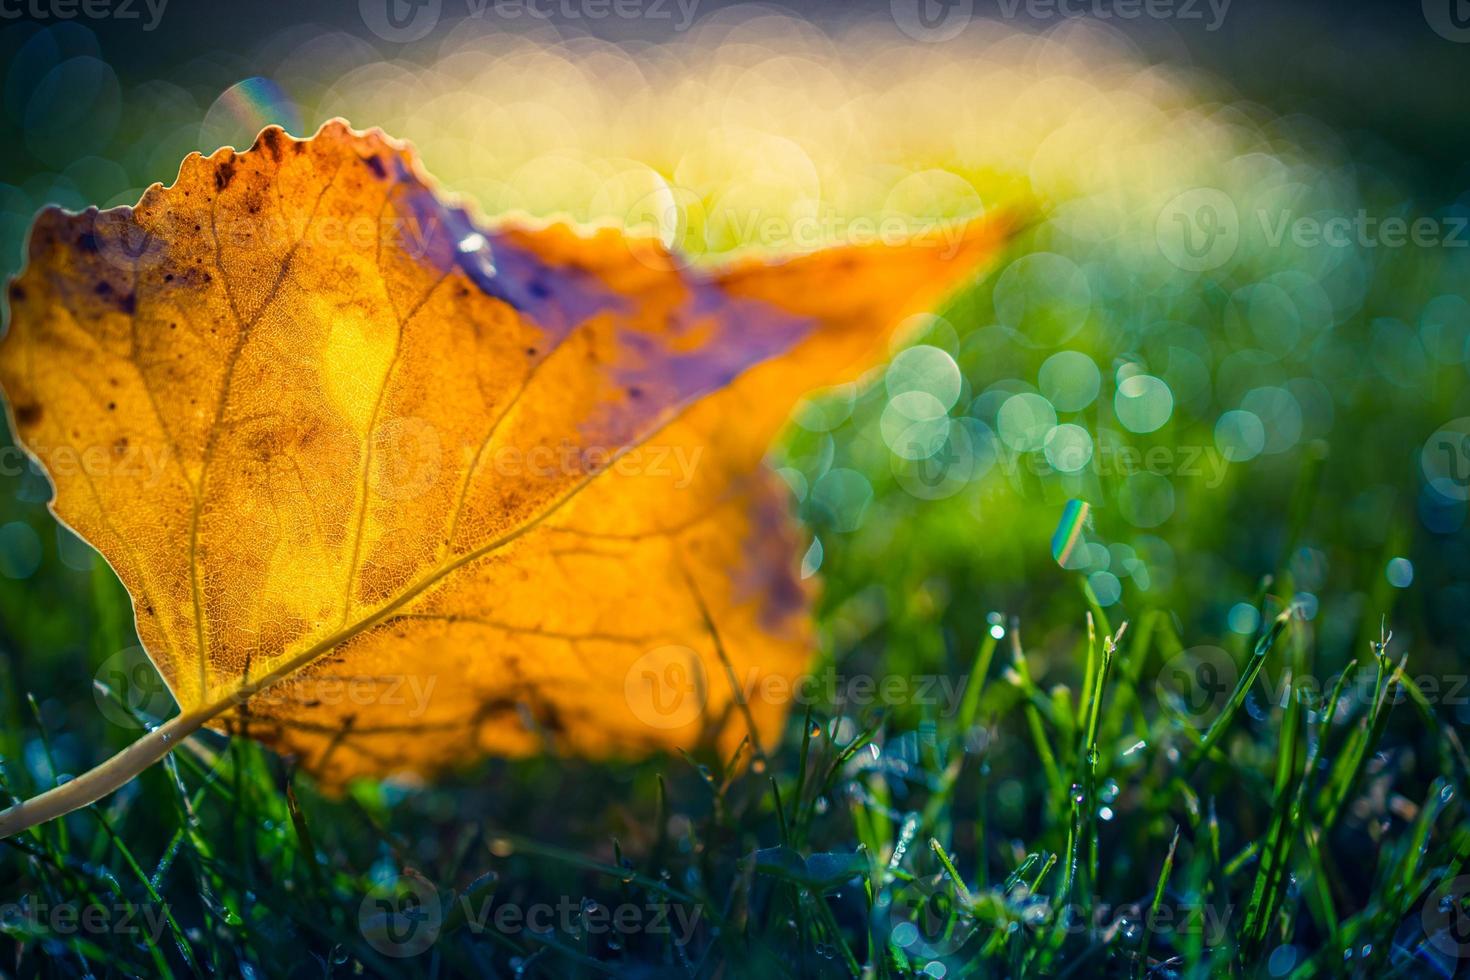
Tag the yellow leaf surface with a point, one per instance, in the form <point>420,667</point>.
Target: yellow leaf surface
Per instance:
<point>425,490</point>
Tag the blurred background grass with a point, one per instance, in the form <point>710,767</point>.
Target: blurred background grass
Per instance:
<point>1259,419</point>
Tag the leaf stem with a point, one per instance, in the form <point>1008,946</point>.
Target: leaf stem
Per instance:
<point>111,775</point>
<point>106,778</point>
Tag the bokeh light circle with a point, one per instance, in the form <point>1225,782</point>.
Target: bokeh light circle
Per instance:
<point>1070,380</point>
<point>1239,436</point>
<point>1024,421</point>
<point>1143,403</point>
<point>1146,499</point>
<point>926,369</point>
<point>1068,448</point>
<point>1044,297</point>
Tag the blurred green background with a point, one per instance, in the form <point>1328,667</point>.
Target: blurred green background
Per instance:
<point>1239,330</point>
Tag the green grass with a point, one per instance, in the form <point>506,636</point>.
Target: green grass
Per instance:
<point>1045,826</point>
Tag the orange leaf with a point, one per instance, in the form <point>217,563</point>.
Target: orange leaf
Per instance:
<point>391,491</point>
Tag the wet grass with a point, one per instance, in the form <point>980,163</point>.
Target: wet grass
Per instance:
<point>1079,811</point>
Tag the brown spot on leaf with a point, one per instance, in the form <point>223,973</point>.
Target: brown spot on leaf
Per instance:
<point>270,138</point>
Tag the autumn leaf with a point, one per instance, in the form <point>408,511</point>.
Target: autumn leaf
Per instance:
<point>391,490</point>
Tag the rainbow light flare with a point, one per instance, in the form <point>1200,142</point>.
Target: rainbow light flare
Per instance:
<point>1069,530</point>
<point>247,107</point>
